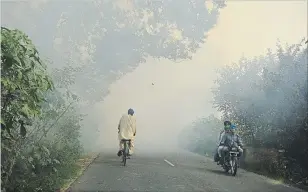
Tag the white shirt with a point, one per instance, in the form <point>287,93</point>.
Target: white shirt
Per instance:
<point>127,127</point>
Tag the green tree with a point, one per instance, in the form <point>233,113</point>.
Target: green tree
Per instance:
<point>108,36</point>
<point>24,81</point>
<point>39,125</point>
<point>92,44</point>
<point>52,148</point>
<point>267,98</point>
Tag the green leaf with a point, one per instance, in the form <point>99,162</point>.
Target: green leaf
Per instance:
<point>54,169</point>
<point>4,82</point>
<point>30,159</point>
<point>23,130</point>
<point>8,127</point>
<point>46,150</point>
<point>19,75</point>
<point>37,155</point>
<point>49,161</point>
<point>56,161</point>
<point>25,111</point>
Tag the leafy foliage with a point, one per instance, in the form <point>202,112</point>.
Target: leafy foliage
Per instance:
<point>52,149</point>
<point>23,81</point>
<point>40,129</point>
<point>267,98</point>
<point>112,37</point>
<point>93,43</point>
<point>40,123</point>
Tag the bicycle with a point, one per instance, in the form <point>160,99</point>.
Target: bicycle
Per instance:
<point>125,151</point>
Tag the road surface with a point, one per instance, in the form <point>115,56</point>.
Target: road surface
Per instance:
<point>170,172</point>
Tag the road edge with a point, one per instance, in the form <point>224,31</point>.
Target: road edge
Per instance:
<point>81,172</point>
<point>283,182</point>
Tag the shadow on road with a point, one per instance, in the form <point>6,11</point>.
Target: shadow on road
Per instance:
<point>222,172</point>
<point>219,172</point>
<point>108,162</point>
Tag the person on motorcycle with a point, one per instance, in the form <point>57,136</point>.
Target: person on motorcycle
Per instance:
<point>227,125</point>
<point>228,141</point>
<point>127,130</point>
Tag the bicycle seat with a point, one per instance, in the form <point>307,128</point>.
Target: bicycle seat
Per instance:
<point>124,140</point>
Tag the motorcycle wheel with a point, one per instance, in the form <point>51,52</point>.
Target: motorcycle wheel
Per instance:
<point>226,169</point>
<point>234,167</point>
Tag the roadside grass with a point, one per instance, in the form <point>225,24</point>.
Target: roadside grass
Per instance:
<point>81,165</point>
<point>273,179</point>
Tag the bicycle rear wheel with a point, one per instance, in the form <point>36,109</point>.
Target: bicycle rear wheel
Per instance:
<point>124,154</point>
<point>124,160</point>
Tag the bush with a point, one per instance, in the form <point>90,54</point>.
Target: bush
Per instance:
<point>39,129</point>
<point>267,98</point>
<point>264,161</point>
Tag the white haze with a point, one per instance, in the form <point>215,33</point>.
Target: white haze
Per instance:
<point>181,91</point>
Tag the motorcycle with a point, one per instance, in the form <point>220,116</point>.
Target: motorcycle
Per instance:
<point>231,161</point>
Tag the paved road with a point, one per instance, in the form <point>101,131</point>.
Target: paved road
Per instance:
<point>169,172</point>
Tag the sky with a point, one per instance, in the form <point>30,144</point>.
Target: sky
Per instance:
<point>182,91</point>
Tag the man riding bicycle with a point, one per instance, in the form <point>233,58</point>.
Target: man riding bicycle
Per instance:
<point>228,141</point>
<point>127,130</point>
<point>227,125</point>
